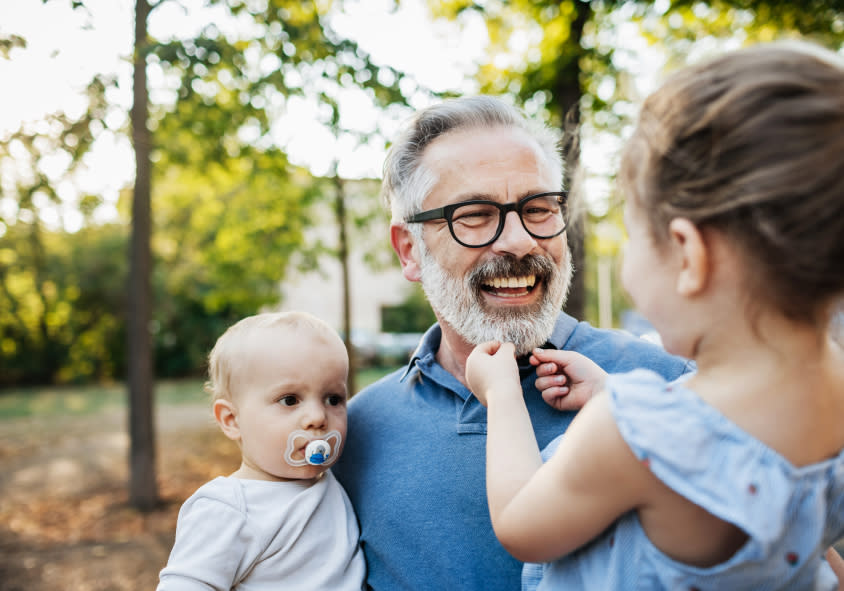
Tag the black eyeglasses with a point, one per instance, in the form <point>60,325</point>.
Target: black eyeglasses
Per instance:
<point>478,223</point>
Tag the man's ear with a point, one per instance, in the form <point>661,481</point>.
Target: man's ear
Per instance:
<point>403,244</point>
<point>694,256</point>
<point>226,416</point>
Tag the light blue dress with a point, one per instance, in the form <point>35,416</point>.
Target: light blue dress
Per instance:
<point>791,515</point>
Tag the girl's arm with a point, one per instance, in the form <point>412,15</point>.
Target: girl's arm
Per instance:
<point>512,452</point>
<point>543,511</point>
<point>591,480</point>
<point>837,564</point>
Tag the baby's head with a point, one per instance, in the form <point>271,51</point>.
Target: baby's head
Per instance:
<point>751,144</point>
<point>278,382</point>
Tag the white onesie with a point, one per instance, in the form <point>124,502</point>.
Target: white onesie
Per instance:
<point>254,535</point>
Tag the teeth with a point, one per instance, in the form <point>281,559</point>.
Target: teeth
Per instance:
<point>525,281</point>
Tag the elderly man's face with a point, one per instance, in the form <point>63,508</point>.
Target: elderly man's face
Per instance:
<point>513,289</point>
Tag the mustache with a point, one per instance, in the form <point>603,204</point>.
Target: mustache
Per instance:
<point>510,266</point>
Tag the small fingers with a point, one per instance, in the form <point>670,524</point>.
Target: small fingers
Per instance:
<point>505,349</point>
<point>551,381</point>
<point>556,397</point>
<point>489,347</point>
<point>546,369</point>
<point>571,401</point>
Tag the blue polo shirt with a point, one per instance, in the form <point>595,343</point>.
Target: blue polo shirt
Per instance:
<point>414,463</point>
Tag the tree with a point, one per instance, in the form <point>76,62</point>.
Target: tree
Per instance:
<point>232,87</point>
<point>224,92</point>
<point>143,486</point>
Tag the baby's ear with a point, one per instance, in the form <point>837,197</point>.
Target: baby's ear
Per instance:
<point>226,416</point>
<point>694,253</point>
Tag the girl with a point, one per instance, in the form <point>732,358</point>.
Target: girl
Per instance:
<point>732,478</point>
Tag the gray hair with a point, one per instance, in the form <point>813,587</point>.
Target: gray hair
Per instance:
<point>406,182</point>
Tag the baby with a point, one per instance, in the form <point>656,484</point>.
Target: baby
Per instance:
<point>281,520</point>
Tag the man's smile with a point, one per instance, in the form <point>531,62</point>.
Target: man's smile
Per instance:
<point>509,287</point>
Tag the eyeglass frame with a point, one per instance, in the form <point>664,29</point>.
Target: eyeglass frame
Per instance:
<point>447,212</point>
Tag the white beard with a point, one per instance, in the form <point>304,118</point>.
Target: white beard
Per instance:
<point>460,305</point>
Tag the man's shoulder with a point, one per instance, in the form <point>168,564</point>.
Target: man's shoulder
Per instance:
<point>379,391</point>
<point>620,351</point>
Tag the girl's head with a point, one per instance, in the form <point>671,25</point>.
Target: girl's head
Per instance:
<point>751,145</point>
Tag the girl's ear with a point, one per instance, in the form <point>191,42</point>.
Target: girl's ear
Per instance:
<point>695,257</point>
<point>226,416</point>
<point>404,246</point>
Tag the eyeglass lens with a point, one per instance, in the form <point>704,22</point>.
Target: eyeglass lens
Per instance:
<point>476,224</point>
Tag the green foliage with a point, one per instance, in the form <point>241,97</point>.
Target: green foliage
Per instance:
<point>229,210</point>
<point>225,237</point>
<point>61,298</point>
<point>686,25</point>
<point>222,240</point>
<point>414,314</point>
<point>7,44</point>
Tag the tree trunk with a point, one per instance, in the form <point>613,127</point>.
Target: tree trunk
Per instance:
<point>343,255</point>
<point>568,94</point>
<point>143,488</point>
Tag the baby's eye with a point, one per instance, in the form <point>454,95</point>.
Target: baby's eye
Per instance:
<point>289,400</point>
<point>336,400</point>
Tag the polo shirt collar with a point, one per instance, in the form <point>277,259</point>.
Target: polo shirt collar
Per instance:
<point>424,358</point>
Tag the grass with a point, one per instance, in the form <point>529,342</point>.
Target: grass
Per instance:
<point>372,374</point>
<point>89,399</point>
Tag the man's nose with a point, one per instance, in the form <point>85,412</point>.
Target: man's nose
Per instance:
<point>514,239</point>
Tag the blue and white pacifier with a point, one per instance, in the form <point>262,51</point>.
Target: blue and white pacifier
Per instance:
<point>318,452</point>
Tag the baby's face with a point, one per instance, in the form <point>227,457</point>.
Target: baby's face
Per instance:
<point>292,390</point>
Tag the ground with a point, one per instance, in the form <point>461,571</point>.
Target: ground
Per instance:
<point>65,522</point>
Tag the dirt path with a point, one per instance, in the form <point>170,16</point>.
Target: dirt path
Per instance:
<point>64,519</point>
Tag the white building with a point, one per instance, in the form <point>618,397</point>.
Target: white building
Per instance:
<point>320,292</point>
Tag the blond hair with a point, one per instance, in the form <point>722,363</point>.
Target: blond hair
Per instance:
<point>225,356</point>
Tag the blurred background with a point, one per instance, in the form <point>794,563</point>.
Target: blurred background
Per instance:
<point>168,167</point>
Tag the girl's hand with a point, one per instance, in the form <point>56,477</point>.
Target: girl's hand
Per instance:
<point>567,380</point>
<point>492,365</point>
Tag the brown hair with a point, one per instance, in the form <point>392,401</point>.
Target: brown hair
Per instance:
<point>752,144</point>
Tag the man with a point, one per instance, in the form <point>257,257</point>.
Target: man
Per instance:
<point>479,219</point>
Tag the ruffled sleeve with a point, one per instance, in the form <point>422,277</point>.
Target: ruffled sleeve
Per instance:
<point>699,453</point>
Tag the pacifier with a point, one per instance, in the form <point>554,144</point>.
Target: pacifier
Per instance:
<point>318,452</point>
